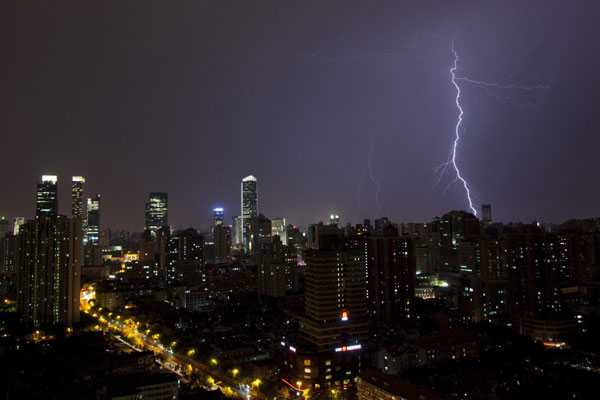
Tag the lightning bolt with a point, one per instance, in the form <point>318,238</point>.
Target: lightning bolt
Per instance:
<point>457,130</point>
<point>488,88</point>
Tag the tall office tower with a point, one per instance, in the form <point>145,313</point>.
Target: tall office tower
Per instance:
<point>218,216</point>
<point>17,222</point>
<point>157,211</point>
<point>236,230</point>
<point>49,271</point>
<point>222,237</point>
<point>391,272</point>
<point>334,219</point>
<point>486,213</point>
<point>278,228</point>
<point>334,328</point>
<point>249,208</point>
<point>4,227</point>
<point>47,196</point>
<point>93,219</point>
<point>77,197</point>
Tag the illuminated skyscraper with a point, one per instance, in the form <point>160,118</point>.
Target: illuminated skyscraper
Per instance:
<point>279,228</point>
<point>157,211</point>
<point>17,222</point>
<point>77,197</point>
<point>236,229</point>
<point>4,227</point>
<point>47,199</point>
<point>249,208</point>
<point>334,219</point>
<point>218,215</point>
<point>93,219</point>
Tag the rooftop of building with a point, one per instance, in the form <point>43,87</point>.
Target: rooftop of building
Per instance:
<point>445,338</point>
<point>396,386</point>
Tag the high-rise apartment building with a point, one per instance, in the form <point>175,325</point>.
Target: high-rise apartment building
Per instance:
<point>157,211</point>
<point>93,219</point>
<point>49,270</point>
<point>334,327</point>
<point>47,196</point>
<point>185,255</point>
<point>538,266</point>
<point>77,185</point>
<point>391,274</point>
<point>380,224</point>
<point>249,208</point>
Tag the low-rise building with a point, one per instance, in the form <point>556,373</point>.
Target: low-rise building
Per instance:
<point>375,385</point>
<point>449,344</point>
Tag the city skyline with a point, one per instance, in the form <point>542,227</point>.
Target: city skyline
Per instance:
<point>364,200</point>
<point>484,213</point>
<point>304,110</point>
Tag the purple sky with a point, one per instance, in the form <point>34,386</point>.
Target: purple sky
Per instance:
<point>190,98</point>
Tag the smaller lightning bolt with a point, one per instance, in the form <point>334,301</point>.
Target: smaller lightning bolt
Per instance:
<point>370,163</point>
<point>369,167</point>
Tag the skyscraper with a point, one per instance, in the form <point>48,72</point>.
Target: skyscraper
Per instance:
<point>77,197</point>
<point>218,216</point>
<point>93,219</point>
<point>334,328</point>
<point>279,228</point>
<point>49,270</point>
<point>17,222</point>
<point>4,227</point>
<point>390,273</point>
<point>157,211</point>
<point>486,213</point>
<point>47,199</point>
<point>249,207</point>
<point>236,230</point>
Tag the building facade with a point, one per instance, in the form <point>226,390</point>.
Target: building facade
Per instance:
<point>47,196</point>
<point>249,208</point>
<point>49,271</point>
<point>157,211</point>
<point>77,184</point>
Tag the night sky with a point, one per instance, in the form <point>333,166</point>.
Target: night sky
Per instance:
<point>190,97</point>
